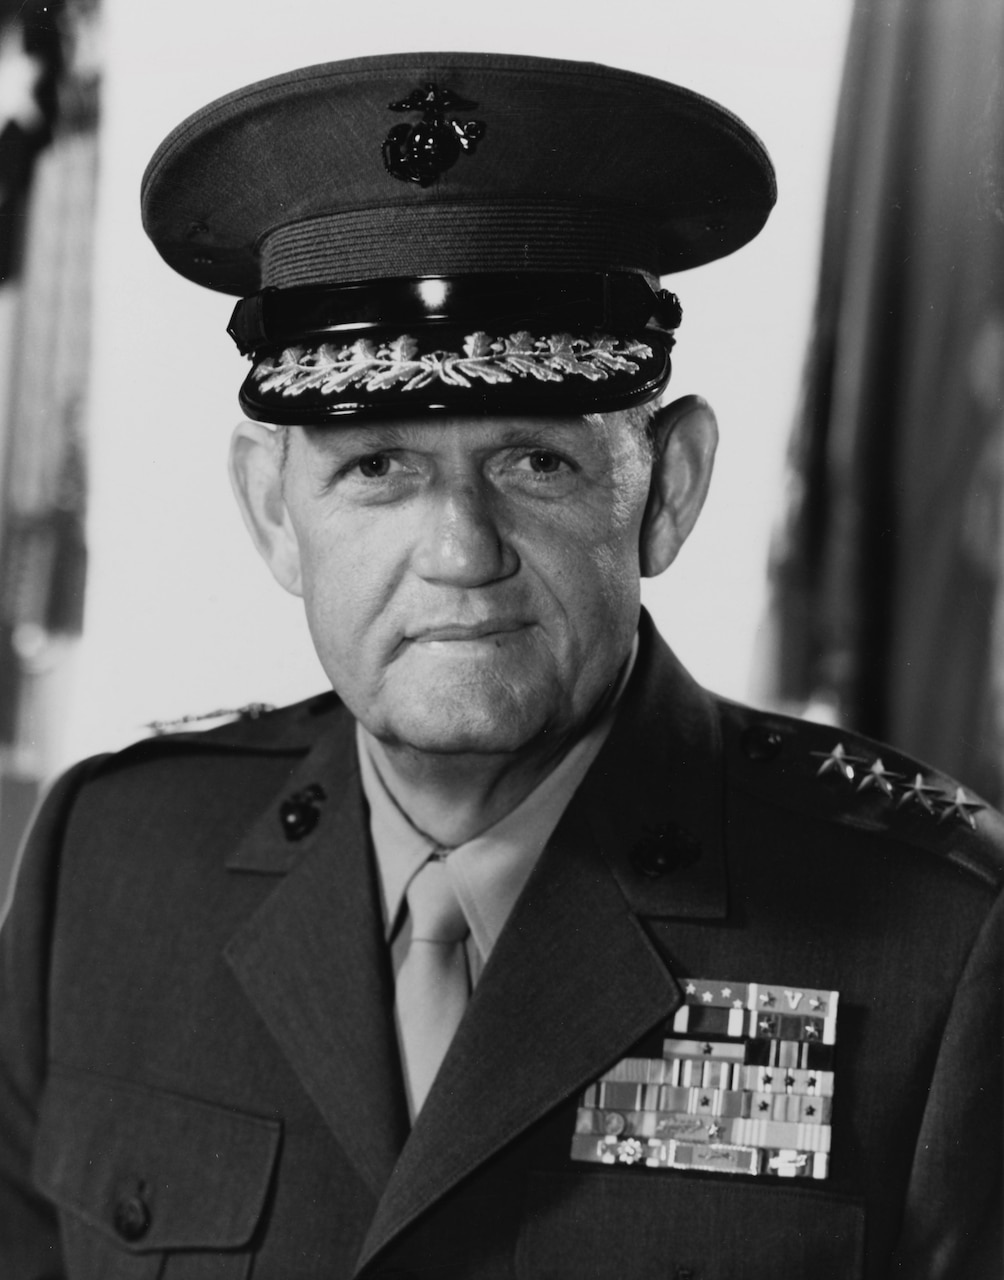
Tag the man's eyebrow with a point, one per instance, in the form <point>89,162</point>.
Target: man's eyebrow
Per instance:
<point>377,437</point>
<point>533,432</point>
<point>370,438</point>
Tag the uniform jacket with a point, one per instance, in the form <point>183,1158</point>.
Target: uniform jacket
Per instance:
<point>198,1069</point>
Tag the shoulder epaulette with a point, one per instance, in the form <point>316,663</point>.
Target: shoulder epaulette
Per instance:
<point>208,719</point>
<point>256,728</point>
<point>847,778</point>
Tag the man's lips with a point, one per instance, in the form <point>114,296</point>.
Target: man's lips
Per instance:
<point>467,631</point>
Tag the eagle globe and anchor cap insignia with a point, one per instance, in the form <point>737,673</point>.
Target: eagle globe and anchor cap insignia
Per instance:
<point>421,152</point>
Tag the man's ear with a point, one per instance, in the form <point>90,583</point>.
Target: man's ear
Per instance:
<point>685,439</point>
<point>256,474</point>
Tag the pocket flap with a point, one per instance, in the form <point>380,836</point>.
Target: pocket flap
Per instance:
<point>151,1169</point>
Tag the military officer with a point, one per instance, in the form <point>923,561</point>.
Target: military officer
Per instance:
<point>517,953</point>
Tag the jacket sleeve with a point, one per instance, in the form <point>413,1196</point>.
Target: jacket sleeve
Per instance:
<point>29,1240</point>
<point>952,1225</point>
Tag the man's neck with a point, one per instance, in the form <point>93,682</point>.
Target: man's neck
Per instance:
<point>453,798</point>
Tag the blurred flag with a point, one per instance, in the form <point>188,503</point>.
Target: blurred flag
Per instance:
<point>48,162</point>
<point>887,575</point>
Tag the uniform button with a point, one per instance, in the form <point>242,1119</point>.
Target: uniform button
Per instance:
<point>660,855</point>
<point>132,1218</point>
<point>761,742</point>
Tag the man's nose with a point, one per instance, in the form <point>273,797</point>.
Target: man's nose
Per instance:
<point>461,540</point>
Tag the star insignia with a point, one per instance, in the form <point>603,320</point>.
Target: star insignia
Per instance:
<point>810,1111</point>
<point>879,778</point>
<point>789,1082</point>
<point>707,997</point>
<point>764,1024</point>
<point>706,1048</point>
<point>767,998</point>
<point>768,1078</point>
<point>811,1082</point>
<point>763,1106</point>
<point>917,793</point>
<point>690,989</point>
<point>737,1004</point>
<point>714,1131</point>
<point>726,992</point>
<point>811,1031</point>
<point>837,762</point>
<point>961,807</point>
<point>816,1003</point>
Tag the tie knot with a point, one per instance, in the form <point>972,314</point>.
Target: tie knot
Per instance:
<point>436,913</point>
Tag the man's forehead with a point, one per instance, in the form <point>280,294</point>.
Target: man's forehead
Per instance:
<point>490,430</point>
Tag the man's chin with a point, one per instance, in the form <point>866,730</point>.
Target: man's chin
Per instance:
<point>466,739</point>
<point>446,725</point>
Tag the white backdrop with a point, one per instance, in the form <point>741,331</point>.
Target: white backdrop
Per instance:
<point>181,616</point>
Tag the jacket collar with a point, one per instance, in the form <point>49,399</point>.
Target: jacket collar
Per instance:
<point>655,792</point>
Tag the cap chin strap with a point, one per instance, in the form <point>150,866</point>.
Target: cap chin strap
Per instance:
<point>612,302</point>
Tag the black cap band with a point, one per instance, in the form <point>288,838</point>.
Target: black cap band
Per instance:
<point>615,302</point>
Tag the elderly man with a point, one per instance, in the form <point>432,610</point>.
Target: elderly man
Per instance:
<point>518,954</point>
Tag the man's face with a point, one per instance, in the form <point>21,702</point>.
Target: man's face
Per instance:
<point>469,585</point>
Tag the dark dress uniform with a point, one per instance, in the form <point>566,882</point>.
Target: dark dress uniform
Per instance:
<point>198,1066</point>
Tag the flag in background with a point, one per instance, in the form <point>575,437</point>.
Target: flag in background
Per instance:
<point>888,609</point>
<point>48,162</point>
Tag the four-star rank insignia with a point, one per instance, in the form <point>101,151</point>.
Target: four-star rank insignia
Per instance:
<point>421,152</point>
<point>904,791</point>
<point>744,1085</point>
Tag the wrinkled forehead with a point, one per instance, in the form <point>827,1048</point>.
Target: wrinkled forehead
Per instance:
<point>609,433</point>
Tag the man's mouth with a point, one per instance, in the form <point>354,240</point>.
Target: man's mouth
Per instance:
<point>455,631</point>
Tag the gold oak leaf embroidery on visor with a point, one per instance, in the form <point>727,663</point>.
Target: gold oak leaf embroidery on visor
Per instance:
<point>744,1084</point>
<point>330,369</point>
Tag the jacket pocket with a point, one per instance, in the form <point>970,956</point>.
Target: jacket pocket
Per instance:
<point>606,1226</point>
<point>150,1183</point>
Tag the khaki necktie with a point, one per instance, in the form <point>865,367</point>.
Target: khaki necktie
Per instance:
<point>432,983</point>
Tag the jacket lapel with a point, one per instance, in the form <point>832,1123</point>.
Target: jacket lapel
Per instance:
<point>574,982</point>
<point>313,962</point>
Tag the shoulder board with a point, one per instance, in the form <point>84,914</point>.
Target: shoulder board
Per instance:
<point>253,729</point>
<point>208,719</point>
<point>847,778</point>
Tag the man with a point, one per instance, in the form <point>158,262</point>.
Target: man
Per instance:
<point>518,954</point>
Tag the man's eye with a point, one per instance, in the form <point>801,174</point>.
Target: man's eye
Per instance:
<point>543,462</point>
<point>375,466</point>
